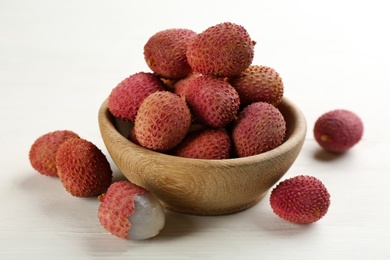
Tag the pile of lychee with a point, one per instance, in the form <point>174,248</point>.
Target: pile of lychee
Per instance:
<point>203,99</point>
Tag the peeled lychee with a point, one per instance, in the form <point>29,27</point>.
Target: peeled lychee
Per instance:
<point>338,130</point>
<point>82,168</point>
<point>165,53</point>
<point>205,144</point>
<point>222,50</point>
<point>260,127</point>
<point>259,83</point>
<point>130,212</point>
<point>301,199</point>
<point>213,101</point>
<point>125,99</point>
<point>162,121</point>
<point>42,154</point>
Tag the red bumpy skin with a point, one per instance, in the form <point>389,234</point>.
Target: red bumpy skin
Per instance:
<point>82,168</point>
<point>338,130</point>
<point>205,144</point>
<point>259,83</point>
<point>213,101</point>
<point>222,50</point>
<point>117,205</point>
<point>180,87</point>
<point>165,53</point>
<point>42,154</point>
<point>260,127</point>
<point>162,121</point>
<point>126,98</point>
<point>301,199</point>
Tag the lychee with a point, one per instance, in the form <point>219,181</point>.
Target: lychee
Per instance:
<point>301,199</point>
<point>162,121</point>
<point>125,99</point>
<point>338,130</point>
<point>222,50</point>
<point>213,101</point>
<point>180,87</point>
<point>130,212</point>
<point>165,52</point>
<point>42,154</point>
<point>82,168</point>
<point>260,127</point>
<point>259,83</point>
<point>205,144</point>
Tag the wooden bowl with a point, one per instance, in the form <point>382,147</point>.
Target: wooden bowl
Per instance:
<point>204,187</point>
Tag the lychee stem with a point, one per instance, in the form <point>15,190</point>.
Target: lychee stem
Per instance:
<point>324,138</point>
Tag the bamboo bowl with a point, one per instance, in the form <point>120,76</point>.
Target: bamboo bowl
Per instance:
<point>204,187</point>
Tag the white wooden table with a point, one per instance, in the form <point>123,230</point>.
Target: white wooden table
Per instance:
<point>60,59</point>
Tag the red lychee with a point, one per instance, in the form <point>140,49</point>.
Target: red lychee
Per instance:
<point>42,154</point>
<point>258,83</point>
<point>260,127</point>
<point>165,53</point>
<point>222,50</point>
<point>213,101</point>
<point>162,121</point>
<point>338,130</point>
<point>82,168</point>
<point>205,144</point>
<point>180,87</point>
<point>301,199</point>
<point>125,99</point>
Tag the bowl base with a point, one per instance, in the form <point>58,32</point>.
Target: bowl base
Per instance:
<point>214,212</point>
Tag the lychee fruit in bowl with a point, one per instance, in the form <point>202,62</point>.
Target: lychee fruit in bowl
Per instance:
<point>195,145</point>
<point>205,186</point>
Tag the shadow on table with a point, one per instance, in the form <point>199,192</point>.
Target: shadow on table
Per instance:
<point>326,156</point>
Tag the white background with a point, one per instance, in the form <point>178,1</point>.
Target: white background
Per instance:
<point>60,59</point>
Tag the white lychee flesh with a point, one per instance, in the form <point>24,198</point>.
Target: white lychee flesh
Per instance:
<point>148,218</point>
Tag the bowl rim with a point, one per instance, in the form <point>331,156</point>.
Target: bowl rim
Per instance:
<point>295,136</point>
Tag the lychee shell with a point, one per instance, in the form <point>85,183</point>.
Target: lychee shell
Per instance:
<point>338,130</point>
<point>259,83</point>
<point>180,87</point>
<point>117,205</point>
<point>260,127</point>
<point>162,121</point>
<point>205,144</point>
<point>42,154</point>
<point>222,50</point>
<point>300,199</point>
<point>213,101</point>
<point>82,168</point>
<point>165,53</point>
<point>125,99</point>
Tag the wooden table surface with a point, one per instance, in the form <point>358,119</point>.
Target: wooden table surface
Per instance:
<point>59,60</point>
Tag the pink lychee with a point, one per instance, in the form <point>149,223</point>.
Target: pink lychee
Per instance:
<point>301,199</point>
